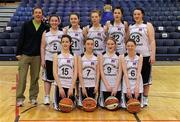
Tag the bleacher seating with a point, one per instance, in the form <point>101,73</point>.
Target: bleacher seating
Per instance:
<point>164,15</point>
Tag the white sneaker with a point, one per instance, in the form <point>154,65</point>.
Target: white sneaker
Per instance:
<point>20,103</point>
<point>33,102</point>
<point>56,107</point>
<point>145,101</point>
<point>46,100</point>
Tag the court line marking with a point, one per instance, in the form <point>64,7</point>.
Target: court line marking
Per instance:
<point>136,117</point>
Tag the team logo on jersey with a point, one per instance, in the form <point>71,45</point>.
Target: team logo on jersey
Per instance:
<point>99,34</point>
<point>119,28</point>
<point>76,34</point>
<point>68,61</point>
<point>92,63</point>
<point>112,61</point>
<point>140,29</point>
<point>59,37</point>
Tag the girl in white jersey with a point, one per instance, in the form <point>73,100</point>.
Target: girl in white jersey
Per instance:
<point>143,33</point>
<point>50,44</point>
<point>111,73</point>
<point>88,64</point>
<point>64,71</point>
<point>117,29</point>
<point>132,79</point>
<point>96,32</point>
<point>76,33</point>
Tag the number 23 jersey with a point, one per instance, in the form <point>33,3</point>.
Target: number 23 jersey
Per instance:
<point>65,69</point>
<point>140,35</point>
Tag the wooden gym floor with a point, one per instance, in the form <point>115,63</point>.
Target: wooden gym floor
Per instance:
<point>164,101</point>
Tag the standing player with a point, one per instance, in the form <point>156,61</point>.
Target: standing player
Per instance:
<point>117,29</point>
<point>64,71</point>
<point>28,55</point>
<point>143,33</point>
<point>111,73</point>
<point>75,31</point>
<point>132,79</point>
<point>50,44</point>
<point>88,65</point>
<point>96,32</point>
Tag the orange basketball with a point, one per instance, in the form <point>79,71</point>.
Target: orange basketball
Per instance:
<point>111,103</point>
<point>89,104</point>
<point>133,105</point>
<point>66,105</point>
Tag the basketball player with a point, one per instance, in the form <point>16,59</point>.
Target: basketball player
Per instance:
<point>50,44</point>
<point>132,79</point>
<point>96,32</point>
<point>143,33</point>
<point>75,31</point>
<point>64,71</point>
<point>88,65</point>
<point>111,72</point>
<point>117,29</point>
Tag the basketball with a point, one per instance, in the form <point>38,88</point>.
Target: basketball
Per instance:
<point>89,104</point>
<point>112,103</point>
<point>66,105</point>
<point>133,105</point>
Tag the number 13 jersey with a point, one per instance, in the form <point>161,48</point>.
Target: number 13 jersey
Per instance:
<point>65,69</point>
<point>140,35</point>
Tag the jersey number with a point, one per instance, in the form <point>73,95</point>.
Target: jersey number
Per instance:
<point>74,44</point>
<point>65,71</point>
<point>54,46</point>
<point>133,73</point>
<point>88,72</point>
<point>136,38</point>
<point>96,44</point>
<point>109,69</point>
<point>116,37</point>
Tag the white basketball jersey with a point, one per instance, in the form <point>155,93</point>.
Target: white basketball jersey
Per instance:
<point>65,69</point>
<point>89,70</point>
<point>99,39</point>
<point>118,32</point>
<point>139,34</point>
<point>111,69</point>
<point>132,66</point>
<point>77,40</point>
<point>52,44</point>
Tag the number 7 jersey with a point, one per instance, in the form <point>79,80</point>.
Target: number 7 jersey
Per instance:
<point>89,70</point>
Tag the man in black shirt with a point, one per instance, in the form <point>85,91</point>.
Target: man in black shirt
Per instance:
<point>28,54</point>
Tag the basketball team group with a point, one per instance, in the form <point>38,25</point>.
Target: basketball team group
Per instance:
<point>102,62</point>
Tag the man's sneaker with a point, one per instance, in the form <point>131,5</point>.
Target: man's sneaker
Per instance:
<point>145,101</point>
<point>20,103</point>
<point>33,102</point>
<point>56,107</point>
<point>46,100</point>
